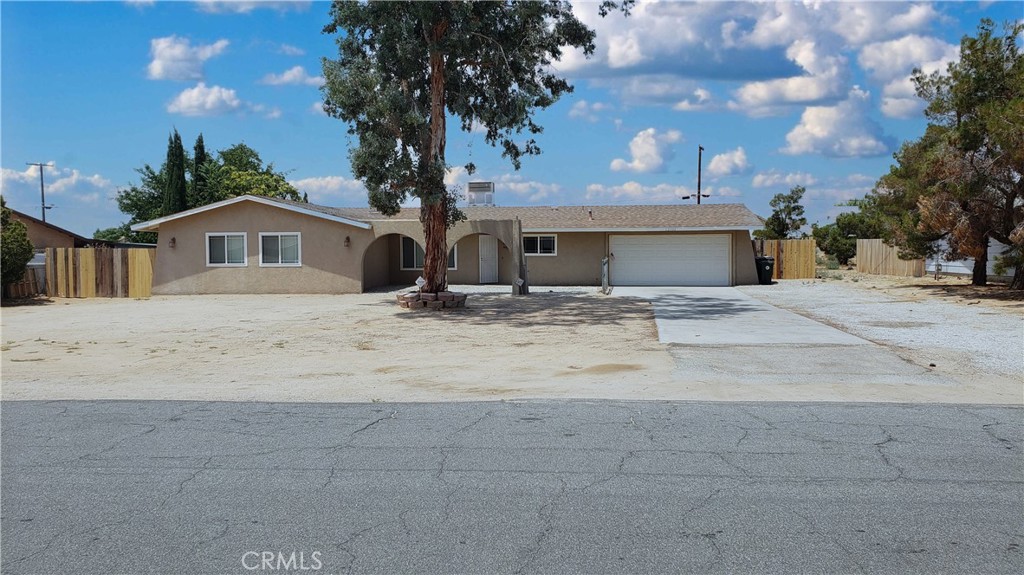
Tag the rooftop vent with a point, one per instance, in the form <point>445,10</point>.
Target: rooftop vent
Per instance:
<point>480,194</point>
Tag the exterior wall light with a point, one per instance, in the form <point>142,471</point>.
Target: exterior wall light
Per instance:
<point>173,242</point>
<point>348,241</point>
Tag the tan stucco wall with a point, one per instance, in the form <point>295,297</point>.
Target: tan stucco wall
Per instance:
<point>579,259</point>
<point>327,265</point>
<point>44,237</point>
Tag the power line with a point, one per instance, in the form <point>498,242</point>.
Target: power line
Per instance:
<point>42,190</point>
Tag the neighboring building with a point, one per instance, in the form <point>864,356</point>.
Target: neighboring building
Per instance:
<point>253,244</point>
<point>966,266</point>
<point>46,235</point>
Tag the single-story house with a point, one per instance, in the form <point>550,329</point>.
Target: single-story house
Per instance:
<point>254,244</point>
<point>46,235</point>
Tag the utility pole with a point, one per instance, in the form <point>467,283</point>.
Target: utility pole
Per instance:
<point>700,154</point>
<point>42,190</point>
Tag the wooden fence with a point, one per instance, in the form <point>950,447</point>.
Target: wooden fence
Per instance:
<point>99,272</point>
<point>29,286</point>
<point>794,259</point>
<point>874,257</point>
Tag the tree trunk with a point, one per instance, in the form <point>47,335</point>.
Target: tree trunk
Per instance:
<point>979,277</point>
<point>1018,278</point>
<point>434,208</point>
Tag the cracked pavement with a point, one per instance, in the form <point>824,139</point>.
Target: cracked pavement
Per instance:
<point>512,487</point>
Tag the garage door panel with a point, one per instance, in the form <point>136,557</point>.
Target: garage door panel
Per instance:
<point>670,260</point>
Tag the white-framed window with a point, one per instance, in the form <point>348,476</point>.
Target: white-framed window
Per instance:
<point>280,249</point>
<point>226,249</point>
<point>540,245</point>
<point>413,255</point>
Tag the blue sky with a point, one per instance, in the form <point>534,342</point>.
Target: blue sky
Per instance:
<point>778,94</point>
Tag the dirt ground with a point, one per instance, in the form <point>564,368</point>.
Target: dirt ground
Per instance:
<point>360,348</point>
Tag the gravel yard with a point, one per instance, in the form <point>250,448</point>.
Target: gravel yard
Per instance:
<point>556,343</point>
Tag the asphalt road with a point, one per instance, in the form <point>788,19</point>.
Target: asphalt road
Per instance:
<point>510,487</point>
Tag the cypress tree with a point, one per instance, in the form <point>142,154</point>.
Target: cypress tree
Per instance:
<point>176,190</point>
<point>200,193</point>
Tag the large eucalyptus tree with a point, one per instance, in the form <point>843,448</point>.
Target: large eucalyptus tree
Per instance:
<point>404,67</point>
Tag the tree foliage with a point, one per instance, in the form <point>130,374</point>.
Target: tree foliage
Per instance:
<point>404,67</point>
<point>839,239</point>
<point>15,248</point>
<point>787,216</point>
<point>236,171</point>
<point>962,180</point>
<point>175,196</point>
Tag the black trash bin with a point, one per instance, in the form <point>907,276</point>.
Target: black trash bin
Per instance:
<point>765,269</point>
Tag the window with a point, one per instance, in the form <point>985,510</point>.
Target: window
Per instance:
<point>540,245</point>
<point>280,249</point>
<point>413,256</point>
<point>225,249</point>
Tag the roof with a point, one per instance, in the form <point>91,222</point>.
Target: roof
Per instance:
<point>673,217</point>
<point>314,210</point>
<point>690,217</point>
<point>79,241</point>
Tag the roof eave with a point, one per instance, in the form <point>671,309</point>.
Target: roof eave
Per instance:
<point>527,230</point>
<point>154,225</point>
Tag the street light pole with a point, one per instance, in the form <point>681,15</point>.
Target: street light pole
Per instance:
<point>699,162</point>
<point>42,190</point>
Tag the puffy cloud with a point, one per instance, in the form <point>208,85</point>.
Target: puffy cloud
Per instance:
<point>531,191</point>
<point>701,101</point>
<point>862,22</point>
<point>331,190</point>
<point>892,62</point>
<point>729,163</point>
<point>843,130</point>
<point>634,192</point>
<point>175,58</point>
<point>246,6</point>
<point>773,178</point>
<point>649,151</point>
<point>825,79</point>
<point>21,187</point>
<point>205,101</point>
<point>294,75</point>
<point>317,108</point>
<point>587,111</point>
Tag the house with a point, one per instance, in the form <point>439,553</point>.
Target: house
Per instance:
<point>253,244</point>
<point>44,235</point>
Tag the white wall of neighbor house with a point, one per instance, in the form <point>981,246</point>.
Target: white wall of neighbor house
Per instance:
<point>966,266</point>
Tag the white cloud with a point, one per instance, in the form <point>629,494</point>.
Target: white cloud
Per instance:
<point>729,163</point>
<point>862,22</point>
<point>205,101</point>
<point>294,75</point>
<point>587,111</point>
<point>773,178</point>
<point>317,108</point>
<point>843,130</point>
<point>61,184</point>
<point>892,62</point>
<point>456,176</point>
<point>636,193</point>
<point>289,50</point>
<point>649,151</point>
<point>825,79</point>
<point>175,58</point>
<point>270,113</point>
<point>246,6</point>
<point>331,190</point>
<point>531,191</point>
<point>140,3</point>
<point>701,101</point>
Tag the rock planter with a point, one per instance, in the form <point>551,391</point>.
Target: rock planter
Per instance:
<point>427,300</point>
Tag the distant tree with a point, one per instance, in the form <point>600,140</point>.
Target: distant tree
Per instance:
<point>839,239</point>
<point>175,197</point>
<point>963,180</point>
<point>404,67</point>
<point>200,192</point>
<point>15,248</point>
<point>235,171</point>
<point>787,216</point>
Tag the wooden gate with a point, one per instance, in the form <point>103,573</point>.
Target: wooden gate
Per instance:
<point>99,272</point>
<point>794,259</point>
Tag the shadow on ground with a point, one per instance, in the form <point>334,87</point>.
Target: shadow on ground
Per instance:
<point>25,301</point>
<point>993,292</point>
<point>679,306</point>
<point>551,309</point>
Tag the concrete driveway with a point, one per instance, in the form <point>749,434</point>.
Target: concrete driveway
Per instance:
<point>726,316</point>
<point>721,336</point>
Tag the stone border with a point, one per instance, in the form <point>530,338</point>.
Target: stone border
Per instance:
<point>427,300</point>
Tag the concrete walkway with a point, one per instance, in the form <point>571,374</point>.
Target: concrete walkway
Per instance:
<point>726,316</point>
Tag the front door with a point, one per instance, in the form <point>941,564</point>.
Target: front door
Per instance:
<point>488,259</point>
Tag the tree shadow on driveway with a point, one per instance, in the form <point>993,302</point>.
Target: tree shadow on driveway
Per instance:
<point>689,307</point>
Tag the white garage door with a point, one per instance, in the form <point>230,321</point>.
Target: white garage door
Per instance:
<point>679,260</point>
